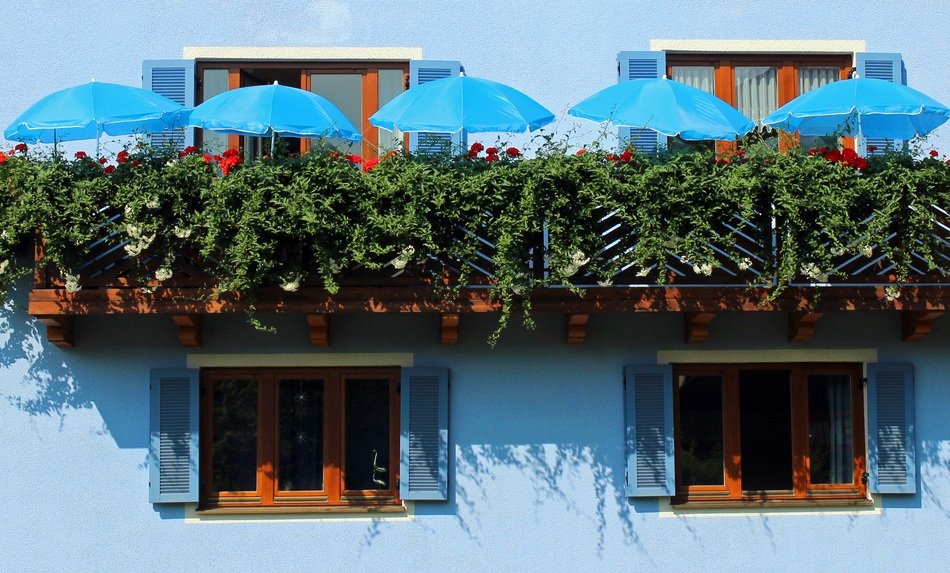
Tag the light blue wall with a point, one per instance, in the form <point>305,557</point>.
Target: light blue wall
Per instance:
<point>536,456</point>
<point>557,51</point>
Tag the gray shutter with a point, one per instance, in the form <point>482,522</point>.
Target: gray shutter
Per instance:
<point>174,79</point>
<point>173,441</point>
<point>648,409</point>
<point>420,72</point>
<point>637,66</point>
<point>891,429</point>
<point>886,66</point>
<point>424,434</point>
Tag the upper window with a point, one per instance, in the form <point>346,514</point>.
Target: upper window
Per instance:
<point>290,437</point>
<point>755,432</point>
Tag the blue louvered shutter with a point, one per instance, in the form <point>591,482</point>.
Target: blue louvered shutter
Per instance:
<point>424,434</point>
<point>882,66</point>
<point>420,72</point>
<point>891,429</point>
<point>173,441</point>
<point>648,414</point>
<point>174,79</point>
<point>639,66</point>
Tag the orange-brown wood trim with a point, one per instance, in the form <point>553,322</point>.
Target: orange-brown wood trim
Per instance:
<point>305,86</point>
<point>234,82</point>
<point>370,105</point>
<point>41,274</point>
<point>801,463</point>
<point>449,331</point>
<point>576,327</point>
<point>801,325</point>
<point>59,329</point>
<point>319,324</point>
<point>696,326</point>
<point>916,325</point>
<point>189,329</point>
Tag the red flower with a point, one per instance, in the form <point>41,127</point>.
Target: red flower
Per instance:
<point>333,154</point>
<point>491,157</point>
<point>136,164</point>
<point>476,148</point>
<point>492,151</point>
<point>582,151</point>
<point>81,155</point>
<point>230,153</point>
<point>472,154</point>
<point>103,161</point>
<point>933,153</point>
<point>369,164</point>
<point>122,157</point>
<point>612,157</point>
<point>390,153</point>
<point>872,148</point>
<point>740,154</point>
<point>21,147</point>
<point>626,156</point>
<point>110,169</point>
<point>860,164</point>
<point>513,152</point>
<point>3,157</point>
<point>354,158</point>
<point>191,149</point>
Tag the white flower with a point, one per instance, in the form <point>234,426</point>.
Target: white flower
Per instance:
<point>334,266</point>
<point>3,235</point>
<point>892,293</point>
<point>644,271</point>
<point>163,274</point>
<point>148,289</point>
<point>837,251</point>
<point>670,244</point>
<point>579,258</point>
<point>181,232</point>
<point>72,283</point>
<point>133,231</point>
<point>128,210</point>
<point>132,249</point>
<point>569,270</point>
<point>519,289</point>
<point>3,266</point>
<point>402,260</point>
<point>605,283</point>
<point>291,285</point>
<point>745,264</point>
<point>703,269</point>
<point>867,251</point>
<point>152,202</point>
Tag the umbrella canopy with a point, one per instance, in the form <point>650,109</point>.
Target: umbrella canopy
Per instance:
<point>89,110</point>
<point>668,107</point>
<point>462,103</point>
<point>273,109</point>
<point>861,106</point>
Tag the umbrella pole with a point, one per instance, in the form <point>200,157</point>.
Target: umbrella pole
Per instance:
<point>55,145</point>
<point>273,135</point>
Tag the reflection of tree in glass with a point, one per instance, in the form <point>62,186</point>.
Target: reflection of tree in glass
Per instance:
<point>300,427</point>
<point>234,458</point>
<point>366,433</point>
<point>701,443</point>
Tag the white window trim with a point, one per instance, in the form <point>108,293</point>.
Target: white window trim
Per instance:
<point>339,359</point>
<point>761,46</point>
<point>299,53</point>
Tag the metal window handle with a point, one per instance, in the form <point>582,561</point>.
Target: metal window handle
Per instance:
<point>377,469</point>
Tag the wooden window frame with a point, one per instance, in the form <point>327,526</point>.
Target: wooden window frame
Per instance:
<point>368,69</point>
<point>803,490</point>
<point>267,494</point>
<point>786,65</point>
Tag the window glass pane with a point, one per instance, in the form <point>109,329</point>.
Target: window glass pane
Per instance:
<point>234,431</point>
<point>766,429</point>
<point>391,84</point>
<point>300,423</point>
<point>756,91</point>
<point>699,77</point>
<point>366,434</point>
<point>345,91</point>
<point>214,82</point>
<point>810,78</point>
<point>829,428</point>
<point>700,419</point>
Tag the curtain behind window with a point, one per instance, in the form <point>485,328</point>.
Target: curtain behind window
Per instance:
<point>756,91</point>
<point>699,77</point>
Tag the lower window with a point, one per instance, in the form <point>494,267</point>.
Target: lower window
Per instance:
<point>769,432</point>
<point>299,437</point>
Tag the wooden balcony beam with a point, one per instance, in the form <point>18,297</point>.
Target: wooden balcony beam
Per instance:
<point>801,325</point>
<point>319,324</point>
<point>59,330</point>
<point>576,327</point>
<point>449,335</point>
<point>189,329</point>
<point>916,325</point>
<point>697,326</point>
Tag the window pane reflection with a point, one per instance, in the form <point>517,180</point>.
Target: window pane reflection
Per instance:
<point>765,414</point>
<point>234,457</point>
<point>300,422</point>
<point>829,428</point>
<point>701,458</point>
<point>366,434</point>
<point>391,84</point>
<point>215,81</point>
<point>345,91</point>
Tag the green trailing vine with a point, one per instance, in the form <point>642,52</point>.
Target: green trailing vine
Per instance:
<point>490,218</point>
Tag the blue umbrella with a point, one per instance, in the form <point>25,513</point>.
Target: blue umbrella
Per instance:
<point>462,103</point>
<point>273,110</point>
<point>667,107</point>
<point>89,110</point>
<point>861,106</point>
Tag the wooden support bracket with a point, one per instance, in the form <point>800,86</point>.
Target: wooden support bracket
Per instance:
<point>189,329</point>
<point>319,329</point>
<point>576,326</point>
<point>59,329</point>
<point>450,328</point>
<point>697,326</point>
<point>917,324</point>
<point>801,325</point>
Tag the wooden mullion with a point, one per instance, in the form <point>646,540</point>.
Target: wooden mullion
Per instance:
<point>858,450</point>
<point>266,439</point>
<point>394,421</point>
<point>305,85</point>
<point>234,82</point>
<point>206,410</point>
<point>333,438</point>
<point>369,106</point>
<point>732,436</point>
<point>725,87</point>
<point>801,464</point>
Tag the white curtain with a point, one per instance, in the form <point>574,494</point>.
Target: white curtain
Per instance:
<point>699,77</point>
<point>756,91</point>
<point>813,78</point>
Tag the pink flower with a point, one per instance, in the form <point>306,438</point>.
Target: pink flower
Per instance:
<point>582,151</point>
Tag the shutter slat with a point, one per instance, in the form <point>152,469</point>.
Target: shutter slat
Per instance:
<point>886,66</point>
<point>649,427</point>
<point>892,456</point>
<point>173,455</point>
<point>174,79</point>
<point>424,434</point>
<point>420,72</point>
<point>636,66</point>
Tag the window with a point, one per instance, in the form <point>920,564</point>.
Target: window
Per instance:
<point>357,88</point>
<point>769,432</point>
<point>299,437</point>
